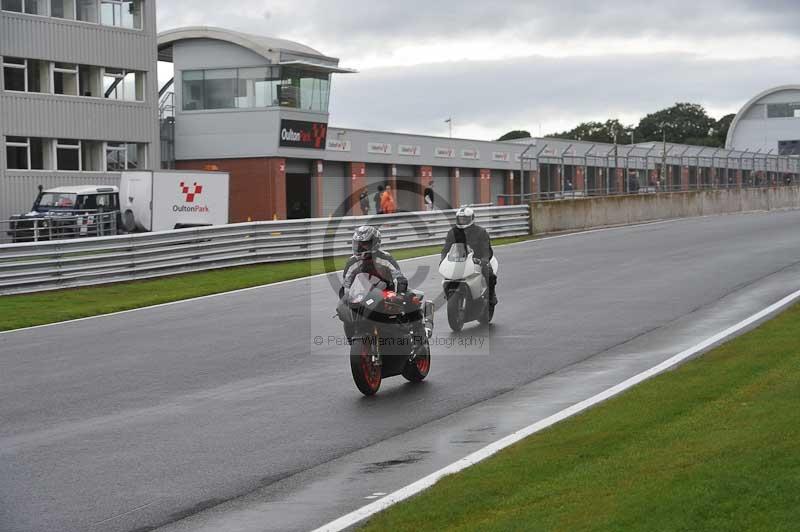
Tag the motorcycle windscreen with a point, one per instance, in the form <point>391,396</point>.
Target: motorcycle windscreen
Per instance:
<point>458,253</point>
<point>362,290</point>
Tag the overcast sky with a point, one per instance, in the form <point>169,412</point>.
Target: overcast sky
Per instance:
<point>524,64</point>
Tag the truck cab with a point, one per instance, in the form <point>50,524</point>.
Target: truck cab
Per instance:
<point>68,212</point>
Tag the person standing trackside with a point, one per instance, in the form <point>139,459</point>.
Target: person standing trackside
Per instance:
<point>428,196</point>
<point>363,201</point>
<point>387,201</point>
<point>377,200</point>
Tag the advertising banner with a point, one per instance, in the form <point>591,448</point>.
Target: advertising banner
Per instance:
<point>299,134</point>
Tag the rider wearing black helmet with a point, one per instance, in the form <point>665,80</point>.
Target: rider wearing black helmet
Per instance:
<point>368,257</point>
<point>468,232</point>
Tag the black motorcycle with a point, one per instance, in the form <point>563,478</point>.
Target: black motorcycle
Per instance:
<point>387,331</point>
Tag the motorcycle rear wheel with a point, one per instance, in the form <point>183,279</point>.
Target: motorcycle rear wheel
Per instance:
<point>456,310</point>
<point>366,373</point>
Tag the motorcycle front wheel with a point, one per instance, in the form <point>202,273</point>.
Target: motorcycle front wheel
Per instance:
<point>456,309</point>
<point>365,365</point>
<point>487,314</point>
<point>416,370</point>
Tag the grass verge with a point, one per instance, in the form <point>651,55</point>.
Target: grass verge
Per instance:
<point>711,446</point>
<point>49,307</point>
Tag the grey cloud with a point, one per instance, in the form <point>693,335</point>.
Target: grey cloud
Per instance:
<point>522,93</point>
<point>351,27</point>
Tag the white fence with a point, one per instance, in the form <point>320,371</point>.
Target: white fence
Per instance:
<point>39,266</point>
<point>79,225</point>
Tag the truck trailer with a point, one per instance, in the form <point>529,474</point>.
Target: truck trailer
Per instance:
<point>161,200</point>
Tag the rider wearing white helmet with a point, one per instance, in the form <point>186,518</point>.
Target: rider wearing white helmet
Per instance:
<point>466,231</point>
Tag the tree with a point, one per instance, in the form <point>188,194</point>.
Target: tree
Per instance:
<point>515,134</point>
<point>721,128</point>
<point>682,122</point>
<point>598,132</point>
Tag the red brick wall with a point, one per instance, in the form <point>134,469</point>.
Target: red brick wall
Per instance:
<point>509,189</point>
<point>580,178</point>
<point>620,178</point>
<point>425,177</point>
<point>257,186</point>
<point>455,187</point>
<point>485,186</point>
<point>317,175</point>
<point>358,180</point>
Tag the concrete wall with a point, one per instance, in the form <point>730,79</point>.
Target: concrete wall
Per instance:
<point>587,213</point>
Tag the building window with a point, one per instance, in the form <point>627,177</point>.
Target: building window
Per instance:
<point>783,110</point>
<point>92,156</point>
<point>123,85</point>
<point>68,155</point>
<point>192,90</point>
<point>31,7</point>
<point>65,79</point>
<point>246,88</point>
<point>305,90</point>
<point>257,87</point>
<point>12,5</point>
<point>25,75</point>
<point>122,156</point>
<point>24,153</point>
<point>124,14</point>
<point>220,89</point>
<point>62,9</point>
<point>87,11</point>
<point>17,153</point>
<point>14,74</point>
<point>789,147</point>
<point>89,81</point>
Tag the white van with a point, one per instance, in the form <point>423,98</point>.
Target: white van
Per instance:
<point>171,199</point>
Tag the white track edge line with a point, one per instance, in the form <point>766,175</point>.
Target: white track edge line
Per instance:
<point>491,449</point>
<point>287,281</point>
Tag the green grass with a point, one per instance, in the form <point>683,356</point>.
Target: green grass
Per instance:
<point>711,446</point>
<point>50,307</point>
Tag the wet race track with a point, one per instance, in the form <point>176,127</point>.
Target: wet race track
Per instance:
<point>141,419</point>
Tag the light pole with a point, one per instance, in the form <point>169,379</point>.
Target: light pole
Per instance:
<point>664,152</point>
<point>616,159</point>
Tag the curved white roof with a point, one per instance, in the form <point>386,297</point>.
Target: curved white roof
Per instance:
<point>754,100</point>
<point>265,46</point>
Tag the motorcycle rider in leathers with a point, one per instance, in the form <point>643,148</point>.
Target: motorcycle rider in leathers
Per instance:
<point>476,238</point>
<point>368,257</point>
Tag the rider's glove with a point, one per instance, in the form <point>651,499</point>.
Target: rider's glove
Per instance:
<point>401,285</point>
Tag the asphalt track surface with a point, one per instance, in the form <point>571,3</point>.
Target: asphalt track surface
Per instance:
<point>137,420</point>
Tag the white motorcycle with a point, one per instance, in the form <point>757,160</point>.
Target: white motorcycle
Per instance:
<point>465,287</point>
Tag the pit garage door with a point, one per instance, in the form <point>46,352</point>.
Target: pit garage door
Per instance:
<point>407,194</point>
<point>498,186</point>
<point>441,187</point>
<point>333,190</point>
<point>376,175</point>
<point>469,182</point>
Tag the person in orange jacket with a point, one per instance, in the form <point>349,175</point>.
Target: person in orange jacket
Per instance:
<point>387,201</point>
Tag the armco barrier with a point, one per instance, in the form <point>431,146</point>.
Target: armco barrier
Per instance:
<point>34,267</point>
<point>586,213</point>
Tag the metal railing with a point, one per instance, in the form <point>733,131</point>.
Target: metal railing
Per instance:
<point>39,266</point>
<point>618,187</point>
<point>59,227</point>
